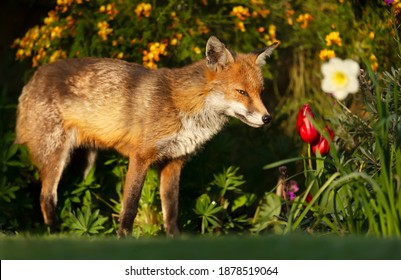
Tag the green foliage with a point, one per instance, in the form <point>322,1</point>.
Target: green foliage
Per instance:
<point>207,210</point>
<point>16,175</point>
<point>149,220</point>
<point>221,208</point>
<point>267,215</point>
<point>358,189</point>
<point>84,222</point>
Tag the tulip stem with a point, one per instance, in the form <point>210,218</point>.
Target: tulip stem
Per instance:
<point>309,157</point>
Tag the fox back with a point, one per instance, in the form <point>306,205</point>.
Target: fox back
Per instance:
<point>150,116</point>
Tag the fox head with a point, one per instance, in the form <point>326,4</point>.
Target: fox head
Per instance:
<point>236,82</point>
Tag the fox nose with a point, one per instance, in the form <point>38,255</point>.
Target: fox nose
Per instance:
<point>266,118</point>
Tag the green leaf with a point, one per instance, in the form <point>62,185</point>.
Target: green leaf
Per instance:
<point>243,200</point>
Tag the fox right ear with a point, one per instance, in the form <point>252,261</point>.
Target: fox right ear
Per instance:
<point>262,54</point>
<point>217,55</point>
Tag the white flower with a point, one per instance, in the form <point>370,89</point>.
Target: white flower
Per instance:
<point>340,77</point>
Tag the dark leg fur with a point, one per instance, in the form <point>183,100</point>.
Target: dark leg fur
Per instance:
<point>135,178</point>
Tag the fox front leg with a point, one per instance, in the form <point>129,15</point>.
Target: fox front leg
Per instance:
<point>169,191</point>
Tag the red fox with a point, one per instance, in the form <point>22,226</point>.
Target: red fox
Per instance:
<point>150,116</point>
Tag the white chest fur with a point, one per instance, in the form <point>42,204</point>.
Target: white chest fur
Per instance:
<point>194,132</point>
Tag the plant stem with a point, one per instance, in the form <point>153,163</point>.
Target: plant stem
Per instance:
<point>309,157</point>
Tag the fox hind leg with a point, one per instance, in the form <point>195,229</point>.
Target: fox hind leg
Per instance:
<point>91,155</point>
<point>50,171</point>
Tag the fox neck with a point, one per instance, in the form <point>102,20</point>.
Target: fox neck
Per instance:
<point>198,111</point>
<point>194,97</point>
<point>189,87</point>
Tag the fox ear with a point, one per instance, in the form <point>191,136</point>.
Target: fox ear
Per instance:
<point>264,53</point>
<point>217,55</point>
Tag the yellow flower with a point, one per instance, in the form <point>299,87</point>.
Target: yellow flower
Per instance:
<point>373,62</point>
<point>288,14</point>
<point>240,26</point>
<point>153,53</point>
<point>56,32</point>
<point>109,9</point>
<point>240,12</point>
<point>64,2</point>
<point>20,54</point>
<point>104,30</point>
<point>304,19</point>
<point>271,37</point>
<point>202,28</point>
<point>56,55</point>
<point>143,9</point>
<point>33,33</point>
<point>120,55</point>
<point>326,54</point>
<point>371,35</point>
<point>272,31</point>
<point>333,38</point>
<point>51,18</point>
<point>264,12</point>
<point>196,50</point>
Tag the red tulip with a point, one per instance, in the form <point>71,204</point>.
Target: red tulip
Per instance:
<point>323,145</point>
<point>308,198</point>
<point>306,130</point>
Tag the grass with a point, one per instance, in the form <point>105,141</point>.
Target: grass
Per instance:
<point>290,247</point>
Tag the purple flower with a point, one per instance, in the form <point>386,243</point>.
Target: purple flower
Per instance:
<point>292,189</point>
<point>291,196</point>
<point>389,2</point>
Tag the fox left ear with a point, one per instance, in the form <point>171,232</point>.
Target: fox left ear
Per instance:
<point>217,55</point>
<point>264,53</point>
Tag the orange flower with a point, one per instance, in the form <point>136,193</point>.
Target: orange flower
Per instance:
<point>333,38</point>
<point>104,30</point>
<point>326,54</point>
<point>57,55</point>
<point>373,62</point>
<point>51,18</point>
<point>143,9</point>
<point>240,26</point>
<point>153,53</point>
<point>240,12</point>
<point>304,19</point>
<point>109,9</point>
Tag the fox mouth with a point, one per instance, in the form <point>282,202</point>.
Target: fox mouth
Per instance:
<point>246,121</point>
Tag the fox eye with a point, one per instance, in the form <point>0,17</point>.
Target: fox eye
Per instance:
<point>242,92</point>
